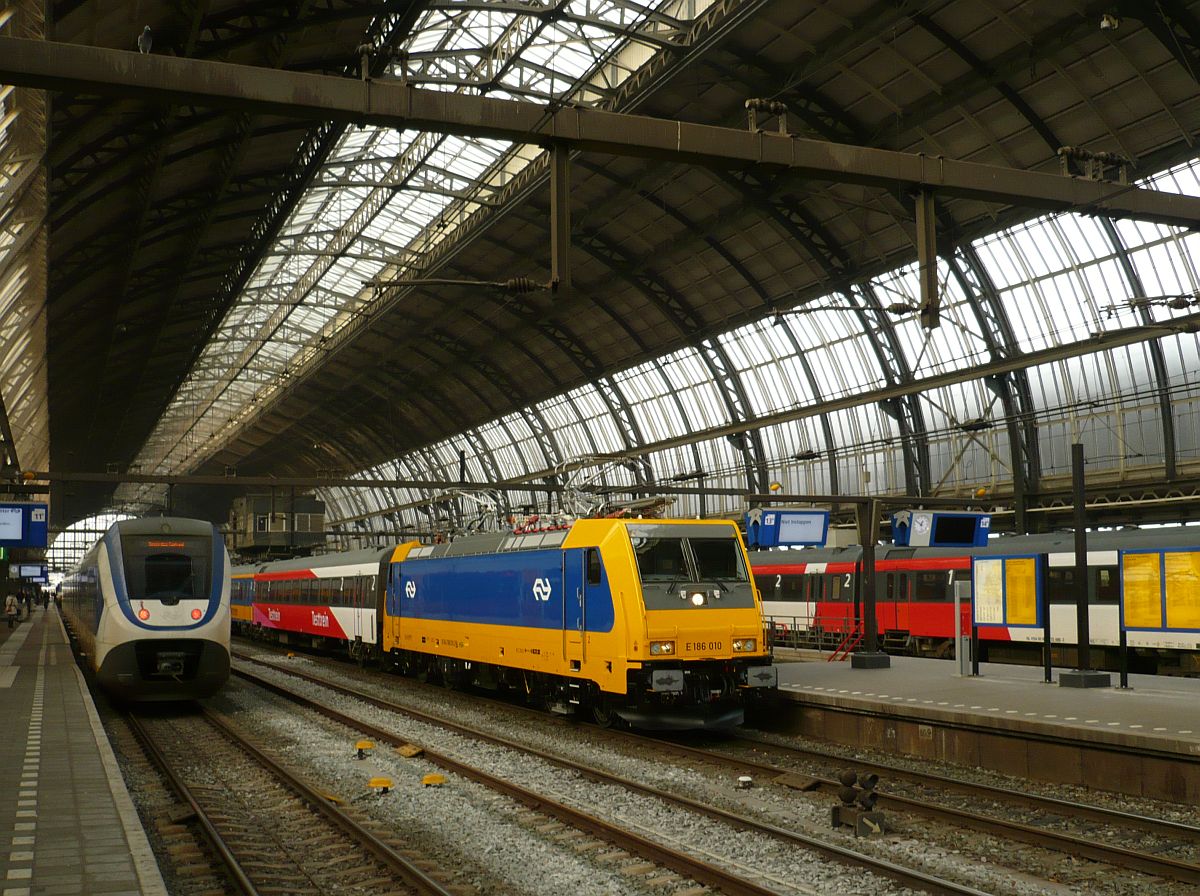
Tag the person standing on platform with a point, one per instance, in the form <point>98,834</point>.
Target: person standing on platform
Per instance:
<point>11,609</point>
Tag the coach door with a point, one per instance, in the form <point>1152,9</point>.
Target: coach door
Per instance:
<point>573,606</point>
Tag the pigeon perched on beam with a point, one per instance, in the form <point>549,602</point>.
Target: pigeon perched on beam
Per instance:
<point>145,39</point>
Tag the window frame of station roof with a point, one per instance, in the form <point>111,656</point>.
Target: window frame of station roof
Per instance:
<point>988,451</point>
<point>180,440</point>
<point>824,335</point>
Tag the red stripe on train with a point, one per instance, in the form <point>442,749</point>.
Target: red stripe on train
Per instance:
<point>843,567</point>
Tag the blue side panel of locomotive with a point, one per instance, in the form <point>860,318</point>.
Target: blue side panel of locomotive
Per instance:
<point>518,589</point>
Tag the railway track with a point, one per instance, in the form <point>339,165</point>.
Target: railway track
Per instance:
<point>682,863</point>
<point>1041,833</point>
<point>1038,835</point>
<point>1159,827</point>
<point>269,830</point>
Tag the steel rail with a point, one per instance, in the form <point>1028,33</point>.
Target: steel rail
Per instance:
<point>701,872</point>
<point>1117,817</point>
<point>1161,866</point>
<point>183,792</point>
<point>409,873</point>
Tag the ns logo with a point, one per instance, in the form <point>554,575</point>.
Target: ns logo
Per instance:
<point>541,589</point>
<point>410,589</point>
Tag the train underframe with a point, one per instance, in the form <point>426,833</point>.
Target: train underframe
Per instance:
<point>710,694</point>
<point>675,696</point>
<point>164,669</point>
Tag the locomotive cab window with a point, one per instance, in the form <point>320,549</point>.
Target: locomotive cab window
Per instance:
<point>593,567</point>
<point>661,559</point>
<point>690,567</point>
<point>717,558</point>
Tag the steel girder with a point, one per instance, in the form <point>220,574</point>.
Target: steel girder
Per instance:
<point>1022,393</point>
<point>1176,29</point>
<point>58,66</point>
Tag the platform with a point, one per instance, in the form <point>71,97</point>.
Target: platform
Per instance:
<point>65,814</point>
<point>1143,740</point>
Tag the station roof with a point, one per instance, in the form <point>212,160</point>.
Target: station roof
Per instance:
<point>245,290</point>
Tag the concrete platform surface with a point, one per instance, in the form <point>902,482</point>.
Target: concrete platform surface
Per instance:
<point>65,815</point>
<point>1158,713</point>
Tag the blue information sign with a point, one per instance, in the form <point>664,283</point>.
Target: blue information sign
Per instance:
<point>33,572</point>
<point>23,526</point>
<point>786,528</point>
<point>934,529</point>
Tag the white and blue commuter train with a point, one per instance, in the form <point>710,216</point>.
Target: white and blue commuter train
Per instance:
<point>149,604</point>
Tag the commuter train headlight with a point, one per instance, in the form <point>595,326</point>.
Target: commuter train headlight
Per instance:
<point>196,613</point>
<point>745,645</point>
<point>662,648</point>
<point>697,598</point>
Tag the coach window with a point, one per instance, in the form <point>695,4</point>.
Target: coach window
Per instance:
<point>930,586</point>
<point>1060,584</point>
<point>792,588</point>
<point>1108,585</point>
<point>593,566</point>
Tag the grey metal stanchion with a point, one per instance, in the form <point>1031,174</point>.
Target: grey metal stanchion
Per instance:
<point>1124,647</point>
<point>962,642</point>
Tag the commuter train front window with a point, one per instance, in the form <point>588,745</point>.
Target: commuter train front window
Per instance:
<point>167,569</point>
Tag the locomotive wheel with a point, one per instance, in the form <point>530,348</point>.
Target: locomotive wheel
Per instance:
<point>603,714</point>
<point>450,674</point>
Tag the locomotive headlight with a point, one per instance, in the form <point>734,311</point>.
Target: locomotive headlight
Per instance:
<point>697,598</point>
<point>745,645</point>
<point>196,613</point>
<point>662,648</point>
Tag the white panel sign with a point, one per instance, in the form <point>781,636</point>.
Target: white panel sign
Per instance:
<point>801,528</point>
<point>989,592</point>
<point>10,523</point>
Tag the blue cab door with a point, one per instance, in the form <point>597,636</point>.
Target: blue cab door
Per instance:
<point>573,606</point>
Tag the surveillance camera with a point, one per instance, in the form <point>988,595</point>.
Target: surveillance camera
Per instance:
<point>1109,22</point>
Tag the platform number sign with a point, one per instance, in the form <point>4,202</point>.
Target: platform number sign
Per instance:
<point>541,589</point>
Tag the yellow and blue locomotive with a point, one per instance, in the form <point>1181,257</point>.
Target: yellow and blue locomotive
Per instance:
<point>655,622</point>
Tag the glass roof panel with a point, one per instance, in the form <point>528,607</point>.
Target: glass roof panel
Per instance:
<point>415,199</point>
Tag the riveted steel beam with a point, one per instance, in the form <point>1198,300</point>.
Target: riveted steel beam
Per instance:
<point>59,66</point>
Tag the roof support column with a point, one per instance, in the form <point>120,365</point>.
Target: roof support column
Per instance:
<point>560,217</point>
<point>927,260</point>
